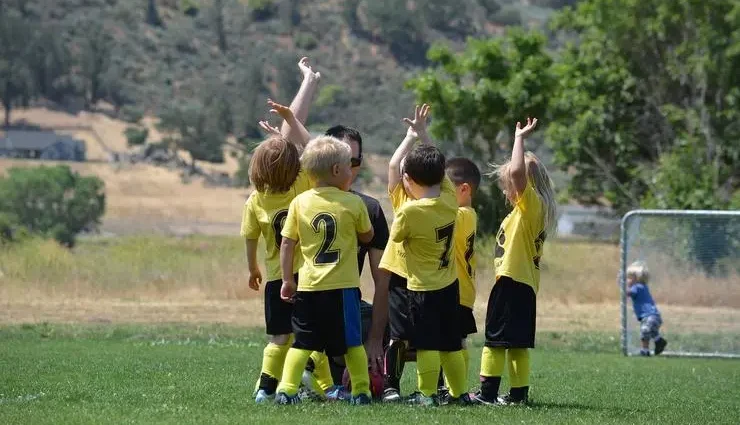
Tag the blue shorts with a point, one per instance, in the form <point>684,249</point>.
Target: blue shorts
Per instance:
<point>650,326</point>
<point>327,321</point>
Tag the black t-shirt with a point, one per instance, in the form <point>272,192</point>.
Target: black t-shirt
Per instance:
<point>380,227</point>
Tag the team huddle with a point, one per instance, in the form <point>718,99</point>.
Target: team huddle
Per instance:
<point>317,232</point>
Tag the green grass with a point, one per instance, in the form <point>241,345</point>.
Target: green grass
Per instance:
<point>186,374</point>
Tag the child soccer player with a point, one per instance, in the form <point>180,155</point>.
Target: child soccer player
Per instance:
<point>511,315</point>
<point>645,309</point>
<point>327,221</point>
<point>466,177</point>
<point>425,225</point>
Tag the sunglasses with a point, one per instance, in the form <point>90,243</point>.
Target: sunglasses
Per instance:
<point>356,162</point>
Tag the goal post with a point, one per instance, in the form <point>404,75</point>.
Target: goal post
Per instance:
<point>693,259</point>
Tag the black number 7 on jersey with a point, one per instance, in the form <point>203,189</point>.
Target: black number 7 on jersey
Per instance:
<point>444,234</point>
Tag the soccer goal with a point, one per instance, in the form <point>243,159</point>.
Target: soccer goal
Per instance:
<point>693,258</point>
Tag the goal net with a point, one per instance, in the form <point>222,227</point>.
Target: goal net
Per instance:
<point>693,259</point>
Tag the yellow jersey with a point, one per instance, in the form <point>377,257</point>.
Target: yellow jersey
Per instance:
<point>426,227</point>
<point>466,225</point>
<point>520,240</point>
<point>325,221</point>
<point>394,256</point>
<point>264,214</point>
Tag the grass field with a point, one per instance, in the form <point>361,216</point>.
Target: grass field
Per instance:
<point>186,374</point>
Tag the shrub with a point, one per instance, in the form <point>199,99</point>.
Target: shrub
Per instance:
<point>136,136</point>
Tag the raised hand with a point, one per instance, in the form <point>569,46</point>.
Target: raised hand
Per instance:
<point>307,71</point>
<point>267,128</point>
<point>282,110</point>
<point>527,129</point>
<point>418,125</point>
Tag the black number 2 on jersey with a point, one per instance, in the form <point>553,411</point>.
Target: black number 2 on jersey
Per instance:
<point>325,255</point>
<point>278,221</point>
<point>444,234</point>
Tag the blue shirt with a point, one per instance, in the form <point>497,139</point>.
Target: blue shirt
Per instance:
<point>642,301</point>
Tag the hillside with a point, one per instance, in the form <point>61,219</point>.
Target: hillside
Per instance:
<point>223,58</point>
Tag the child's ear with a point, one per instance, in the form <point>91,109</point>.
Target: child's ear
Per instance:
<point>335,170</point>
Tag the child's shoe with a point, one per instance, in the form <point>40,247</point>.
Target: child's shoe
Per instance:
<point>359,400</point>
<point>263,397</point>
<point>660,345</point>
<point>443,394</point>
<point>391,395</point>
<point>645,352</point>
<point>477,398</point>
<point>419,399</point>
<point>463,400</point>
<point>282,398</point>
<point>508,400</point>
<point>337,393</point>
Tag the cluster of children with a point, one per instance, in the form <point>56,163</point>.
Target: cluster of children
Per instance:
<point>314,228</point>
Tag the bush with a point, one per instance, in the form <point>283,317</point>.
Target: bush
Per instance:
<point>131,113</point>
<point>52,202</point>
<point>305,41</point>
<point>508,16</point>
<point>136,136</point>
<point>241,177</point>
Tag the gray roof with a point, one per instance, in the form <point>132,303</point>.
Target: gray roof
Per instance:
<point>28,140</point>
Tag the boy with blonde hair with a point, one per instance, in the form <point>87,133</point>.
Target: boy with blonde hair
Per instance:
<point>327,221</point>
<point>645,309</point>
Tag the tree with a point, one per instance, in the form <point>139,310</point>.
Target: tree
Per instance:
<point>191,129</point>
<point>52,201</point>
<point>219,24</point>
<point>16,76</point>
<point>478,95</point>
<point>152,14</point>
<point>647,88</point>
<point>394,24</point>
<point>95,59</point>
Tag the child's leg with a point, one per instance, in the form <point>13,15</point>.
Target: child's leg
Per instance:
<point>519,373</point>
<point>394,362</point>
<point>453,363</point>
<point>273,359</point>
<point>428,364</point>
<point>356,360</point>
<point>400,327</point>
<point>295,362</point>
<point>278,324</point>
<point>443,381</point>
<point>491,368</point>
<point>322,371</point>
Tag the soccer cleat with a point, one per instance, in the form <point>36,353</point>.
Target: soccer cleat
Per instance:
<point>508,400</point>
<point>360,400</point>
<point>478,398</point>
<point>263,397</point>
<point>660,345</point>
<point>444,395</point>
<point>463,400</point>
<point>391,395</point>
<point>419,399</point>
<point>282,398</point>
<point>337,393</point>
<point>645,353</point>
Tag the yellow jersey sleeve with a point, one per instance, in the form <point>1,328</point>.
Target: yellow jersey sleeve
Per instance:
<point>250,225</point>
<point>465,227</point>
<point>394,256</point>
<point>399,228</point>
<point>529,203</point>
<point>326,221</point>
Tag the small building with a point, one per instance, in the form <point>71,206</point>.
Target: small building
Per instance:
<point>47,145</point>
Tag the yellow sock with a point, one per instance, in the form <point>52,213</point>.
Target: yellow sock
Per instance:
<point>322,371</point>
<point>492,362</point>
<point>356,360</point>
<point>466,359</point>
<point>428,364</point>
<point>519,367</point>
<point>453,364</point>
<point>295,363</point>
<point>273,359</point>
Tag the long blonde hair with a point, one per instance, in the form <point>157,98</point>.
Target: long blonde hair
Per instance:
<point>543,186</point>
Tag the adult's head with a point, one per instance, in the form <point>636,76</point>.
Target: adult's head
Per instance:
<point>353,138</point>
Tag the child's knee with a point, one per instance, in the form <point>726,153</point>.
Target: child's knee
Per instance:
<point>280,339</point>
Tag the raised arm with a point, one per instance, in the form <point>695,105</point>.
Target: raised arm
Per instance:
<point>417,130</point>
<point>518,170</point>
<point>298,135</point>
<point>302,101</point>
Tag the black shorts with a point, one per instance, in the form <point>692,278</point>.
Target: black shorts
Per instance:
<point>435,321</point>
<point>467,321</point>
<point>398,308</point>
<point>327,321</point>
<point>278,313</point>
<point>511,315</point>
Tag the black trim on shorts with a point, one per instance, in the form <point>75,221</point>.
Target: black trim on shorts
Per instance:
<point>467,321</point>
<point>278,313</point>
<point>435,320</point>
<point>511,315</point>
<point>398,308</point>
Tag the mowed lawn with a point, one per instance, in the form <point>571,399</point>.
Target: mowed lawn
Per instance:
<point>185,374</point>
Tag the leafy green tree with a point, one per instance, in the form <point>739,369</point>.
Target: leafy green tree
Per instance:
<point>647,88</point>
<point>95,59</point>
<point>16,75</point>
<point>402,30</point>
<point>478,95</point>
<point>152,14</point>
<point>191,129</point>
<point>52,201</point>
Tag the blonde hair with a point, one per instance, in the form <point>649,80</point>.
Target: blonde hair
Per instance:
<point>638,271</point>
<point>274,165</point>
<point>540,179</point>
<point>322,153</point>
